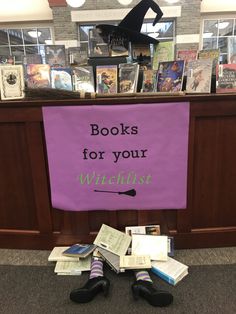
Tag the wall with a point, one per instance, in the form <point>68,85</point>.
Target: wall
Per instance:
<point>187,25</point>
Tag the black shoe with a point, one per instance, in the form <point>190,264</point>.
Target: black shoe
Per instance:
<point>90,290</point>
<point>155,297</point>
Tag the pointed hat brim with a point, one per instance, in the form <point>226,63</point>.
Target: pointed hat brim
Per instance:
<point>106,31</point>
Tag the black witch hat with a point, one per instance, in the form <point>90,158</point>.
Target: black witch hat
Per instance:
<point>130,26</point>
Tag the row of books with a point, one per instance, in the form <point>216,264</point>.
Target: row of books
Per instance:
<point>139,247</point>
<point>112,79</point>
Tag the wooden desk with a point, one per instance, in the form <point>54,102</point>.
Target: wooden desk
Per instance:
<point>28,221</point>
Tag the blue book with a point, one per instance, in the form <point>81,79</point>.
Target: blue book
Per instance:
<point>79,250</point>
<point>172,271</point>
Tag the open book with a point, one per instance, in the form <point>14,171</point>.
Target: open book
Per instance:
<point>112,240</point>
<point>73,267</point>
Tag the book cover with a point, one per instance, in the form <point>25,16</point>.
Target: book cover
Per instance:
<point>172,271</point>
<point>97,46</point>
<point>83,78</point>
<point>149,83</point>
<point>38,75</point>
<point>12,82</point>
<point>32,59</point>
<point>78,55</point>
<point>119,46</point>
<point>170,76</point>
<point>141,53</point>
<point>61,78</point>
<point>128,77</point>
<point>57,256</point>
<point>112,240</point>
<point>55,55</point>
<point>79,250</point>
<point>226,78</point>
<point>231,50</point>
<point>154,246</point>
<point>135,262</point>
<point>199,76</point>
<point>212,54</point>
<point>162,52</point>
<point>7,60</point>
<point>187,55</point>
<point>106,79</point>
<point>148,229</point>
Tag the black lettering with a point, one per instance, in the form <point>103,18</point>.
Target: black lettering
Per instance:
<point>134,130</point>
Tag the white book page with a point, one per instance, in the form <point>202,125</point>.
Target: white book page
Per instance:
<point>73,267</point>
<point>135,261</point>
<point>154,246</point>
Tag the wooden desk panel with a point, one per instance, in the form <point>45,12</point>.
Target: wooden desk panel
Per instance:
<point>27,219</point>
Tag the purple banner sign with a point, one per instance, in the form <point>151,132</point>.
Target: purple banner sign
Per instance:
<point>118,156</point>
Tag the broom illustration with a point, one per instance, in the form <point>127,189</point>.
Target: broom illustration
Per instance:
<point>129,192</point>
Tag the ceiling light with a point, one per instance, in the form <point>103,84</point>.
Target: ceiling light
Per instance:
<point>125,2</point>
<point>222,25</point>
<point>207,35</point>
<point>75,3</point>
<point>34,34</point>
<point>172,1</point>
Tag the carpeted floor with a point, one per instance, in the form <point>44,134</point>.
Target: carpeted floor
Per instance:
<point>38,290</point>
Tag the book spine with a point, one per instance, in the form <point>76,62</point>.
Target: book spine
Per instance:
<point>163,276</point>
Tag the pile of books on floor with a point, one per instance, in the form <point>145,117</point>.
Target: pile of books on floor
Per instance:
<point>139,247</point>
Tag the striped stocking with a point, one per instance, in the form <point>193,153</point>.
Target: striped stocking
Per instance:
<point>143,275</point>
<point>96,268</point>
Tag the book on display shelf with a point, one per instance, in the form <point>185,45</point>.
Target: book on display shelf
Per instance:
<point>32,59</point>
<point>97,46</point>
<point>119,46</point>
<point>5,60</point>
<point>141,52</point>
<point>187,55</point>
<point>55,55</point>
<point>128,77</point>
<point>79,250</point>
<point>172,271</point>
<point>61,78</point>
<point>226,78</point>
<point>170,76</point>
<point>83,78</point>
<point>199,76</point>
<point>212,54</point>
<point>162,52</point>
<point>231,50</point>
<point>12,82</point>
<point>106,79</point>
<point>38,75</point>
<point>78,55</point>
<point>149,83</point>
